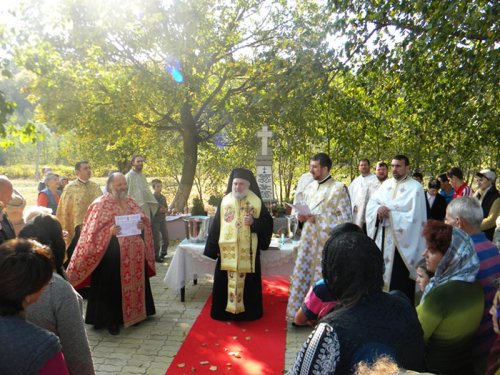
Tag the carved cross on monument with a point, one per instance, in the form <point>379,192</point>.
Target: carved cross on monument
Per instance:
<point>265,166</point>
<point>265,135</point>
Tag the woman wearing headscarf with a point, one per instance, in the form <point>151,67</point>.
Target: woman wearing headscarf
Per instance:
<point>452,303</point>
<point>367,322</point>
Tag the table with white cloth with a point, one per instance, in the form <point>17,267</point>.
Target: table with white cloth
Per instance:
<point>189,262</point>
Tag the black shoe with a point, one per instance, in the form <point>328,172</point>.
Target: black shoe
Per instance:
<point>114,329</point>
<point>159,259</point>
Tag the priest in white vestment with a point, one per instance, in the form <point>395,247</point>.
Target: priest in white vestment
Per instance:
<point>395,216</point>
<point>329,204</point>
<point>359,191</point>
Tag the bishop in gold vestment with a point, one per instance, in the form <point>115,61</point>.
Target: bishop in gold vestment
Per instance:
<point>242,227</point>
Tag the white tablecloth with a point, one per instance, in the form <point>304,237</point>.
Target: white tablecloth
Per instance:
<point>189,263</point>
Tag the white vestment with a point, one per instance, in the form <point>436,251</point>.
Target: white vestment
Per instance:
<point>359,193</point>
<point>302,184</point>
<point>405,200</point>
<point>330,205</point>
<point>304,181</point>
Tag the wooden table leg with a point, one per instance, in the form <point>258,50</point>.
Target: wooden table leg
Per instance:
<point>183,294</point>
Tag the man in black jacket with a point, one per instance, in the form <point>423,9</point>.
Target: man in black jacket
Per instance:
<point>435,203</point>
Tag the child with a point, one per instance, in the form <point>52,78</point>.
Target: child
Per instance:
<point>318,302</point>
<point>159,224</point>
<point>423,276</point>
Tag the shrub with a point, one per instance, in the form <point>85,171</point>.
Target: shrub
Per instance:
<point>198,208</point>
<point>214,200</point>
<point>27,171</point>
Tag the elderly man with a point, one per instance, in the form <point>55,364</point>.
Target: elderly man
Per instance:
<point>241,229</point>
<point>117,267</point>
<point>466,213</point>
<point>329,204</point>
<point>395,216</point>
<point>74,202</point>
<point>6,228</point>
<point>138,188</point>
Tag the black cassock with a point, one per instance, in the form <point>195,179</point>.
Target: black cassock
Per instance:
<point>252,296</point>
<point>104,307</point>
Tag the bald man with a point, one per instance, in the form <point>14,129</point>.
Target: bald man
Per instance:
<point>117,267</point>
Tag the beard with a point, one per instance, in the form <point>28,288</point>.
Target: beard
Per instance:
<point>119,195</point>
<point>398,176</point>
<point>242,194</point>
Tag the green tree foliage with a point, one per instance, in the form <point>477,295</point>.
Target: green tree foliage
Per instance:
<point>106,76</point>
<point>354,79</point>
<point>431,68</point>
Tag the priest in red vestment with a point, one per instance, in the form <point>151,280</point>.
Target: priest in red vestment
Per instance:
<point>117,268</point>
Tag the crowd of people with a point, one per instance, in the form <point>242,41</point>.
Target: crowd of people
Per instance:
<point>442,238</point>
<point>384,269</point>
<point>84,242</point>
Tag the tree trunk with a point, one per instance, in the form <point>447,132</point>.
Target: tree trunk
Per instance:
<point>37,160</point>
<point>124,165</point>
<point>190,160</point>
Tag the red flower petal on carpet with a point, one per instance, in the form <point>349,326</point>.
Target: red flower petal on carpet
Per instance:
<point>244,348</point>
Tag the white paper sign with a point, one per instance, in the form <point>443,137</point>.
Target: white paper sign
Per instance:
<point>128,225</point>
<point>301,208</point>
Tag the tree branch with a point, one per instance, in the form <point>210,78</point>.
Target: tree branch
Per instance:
<point>211,96</point>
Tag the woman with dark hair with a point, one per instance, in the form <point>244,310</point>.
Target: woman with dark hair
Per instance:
<point>59,308</point>
<point>319,301</point>
<point>25,269</point>
<point>366,322</point>
<point>452,304</point>
<point>46,229</point>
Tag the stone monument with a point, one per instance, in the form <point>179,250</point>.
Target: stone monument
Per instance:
<point>265,166</point>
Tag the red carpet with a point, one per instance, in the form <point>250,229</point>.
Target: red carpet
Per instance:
<point>244,348</point>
